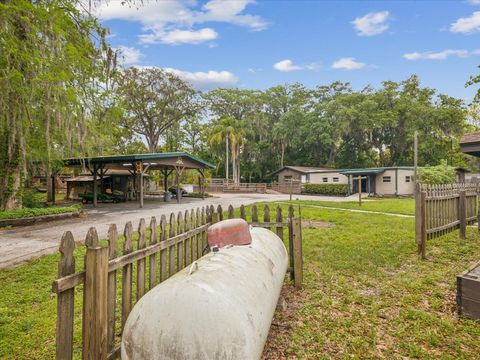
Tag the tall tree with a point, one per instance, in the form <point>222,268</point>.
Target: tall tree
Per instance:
<point>233,130</point>
<point>154,101</point>
<point>52,60</point>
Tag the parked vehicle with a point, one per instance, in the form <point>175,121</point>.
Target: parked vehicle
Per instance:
<point>173,190</point>
<point>116,196</point>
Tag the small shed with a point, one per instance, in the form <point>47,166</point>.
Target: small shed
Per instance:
<point>296,173</point>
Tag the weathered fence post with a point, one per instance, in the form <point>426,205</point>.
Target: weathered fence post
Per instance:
<point>420,233</point>
<point>279,219</point>
<point>215,217</point>
<point>477,190</point>
<point>141,263</point>
<point>152,278</point>
<point>65,300</point>
<point>297,252</point>
<point>127,274</point>
<point>290,240</point>
<point>95,299</point>
<point>112,287</point>
<point>462,213</point>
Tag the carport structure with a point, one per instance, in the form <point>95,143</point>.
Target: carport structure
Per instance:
<point>138,165</point>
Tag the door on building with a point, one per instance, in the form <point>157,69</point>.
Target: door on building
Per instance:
<point>363,185</point>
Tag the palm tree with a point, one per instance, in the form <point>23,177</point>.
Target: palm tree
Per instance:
<point>233,132</point>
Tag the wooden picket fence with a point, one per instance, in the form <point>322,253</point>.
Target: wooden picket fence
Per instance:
<point>440,209</point>
<point>161,251</point>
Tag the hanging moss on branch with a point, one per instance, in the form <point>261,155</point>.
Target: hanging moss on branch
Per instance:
<point>55,67</point>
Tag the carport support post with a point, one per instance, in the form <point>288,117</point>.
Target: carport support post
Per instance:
<point>143,170</point>
<point>178,173</point>
<point>140,185</point>
<point>201,183</point>
<point>165,180</point>
<point>94,185</point>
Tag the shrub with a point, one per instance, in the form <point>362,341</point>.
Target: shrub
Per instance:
<point>440,174</point>
<point>32,212</point>
<point>326,189</point>
<point>195,195</point>
<point>33,200</point>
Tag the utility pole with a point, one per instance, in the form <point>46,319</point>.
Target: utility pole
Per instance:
<point>226,161</point>
<point>291,188</point>
<point>415,156</point>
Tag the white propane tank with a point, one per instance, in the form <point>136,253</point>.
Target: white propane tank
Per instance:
<point>219,308</point>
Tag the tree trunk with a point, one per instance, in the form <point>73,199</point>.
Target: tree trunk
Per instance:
<point>283,155</point>
<point>10,187</point>
<point>49,186</point>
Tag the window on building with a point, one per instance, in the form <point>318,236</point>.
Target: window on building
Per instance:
<point>325,179</point>
<point>335,179</point>
<point>387,179</point>
<point>408,178</point>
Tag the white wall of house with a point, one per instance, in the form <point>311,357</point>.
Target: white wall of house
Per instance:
<point>383,187</point>
<point>406,186</point>
<point>327,178</point>
<point>385,182</point>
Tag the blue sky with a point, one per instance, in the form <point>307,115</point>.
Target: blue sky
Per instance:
<point>258,44</point>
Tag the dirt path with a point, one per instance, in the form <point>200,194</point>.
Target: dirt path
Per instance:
<point>358,211</point>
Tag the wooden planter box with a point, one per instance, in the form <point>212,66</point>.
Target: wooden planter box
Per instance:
<point>468,292</point>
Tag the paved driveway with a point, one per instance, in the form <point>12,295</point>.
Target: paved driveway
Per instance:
<point>21,244</point>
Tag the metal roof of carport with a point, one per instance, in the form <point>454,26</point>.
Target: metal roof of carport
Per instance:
<point>156,160</point>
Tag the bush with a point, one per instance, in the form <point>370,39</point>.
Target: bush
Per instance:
<point>33,199</point>
<point>326,189</point>
<point>440,174</point>
<point>195,195</point>
<point>31,212</point>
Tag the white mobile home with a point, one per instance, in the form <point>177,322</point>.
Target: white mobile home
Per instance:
<point>381,181</point>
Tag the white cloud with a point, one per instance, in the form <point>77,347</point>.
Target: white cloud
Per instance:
<point>287,65</point>
<point>474,2</point>
<point>231,12</point>
<point>371,24</point>
<point>206,80</point>
<point>348,63</point>
<point>128,55</point>
<point>176,37</point>
<point>174,21</point>
<point>438,55</point>
<point>467,24</point>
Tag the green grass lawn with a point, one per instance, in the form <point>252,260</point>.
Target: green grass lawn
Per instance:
<point>397,206</point>
<point>366,295</point>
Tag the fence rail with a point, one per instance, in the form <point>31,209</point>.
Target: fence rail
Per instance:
<point>293,187</point>
<point>440,209</point>
<point>116,276</point>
